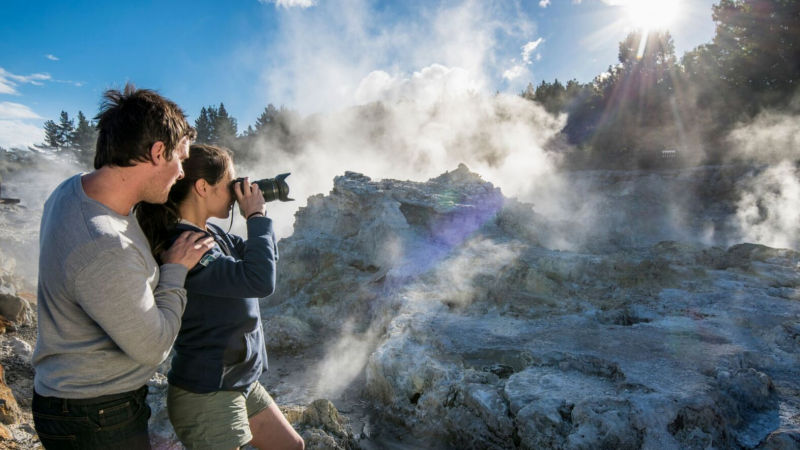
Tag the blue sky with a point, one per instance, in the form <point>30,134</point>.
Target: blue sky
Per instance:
<point>305,54</point>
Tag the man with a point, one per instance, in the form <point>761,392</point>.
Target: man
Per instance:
<point>108,313</point>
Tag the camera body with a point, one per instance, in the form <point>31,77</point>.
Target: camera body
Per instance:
<point>272,188</point>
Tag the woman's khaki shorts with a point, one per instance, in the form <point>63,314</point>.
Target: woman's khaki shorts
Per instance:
<point>216,420</point>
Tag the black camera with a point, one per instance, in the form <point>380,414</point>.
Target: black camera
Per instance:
<point>272,188</point>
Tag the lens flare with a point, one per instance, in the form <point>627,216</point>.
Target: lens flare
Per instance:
<point>651,14</point>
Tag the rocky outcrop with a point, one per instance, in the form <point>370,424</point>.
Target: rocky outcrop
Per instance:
<point>17,337</point>
<point>321,426</point>
<point>475,335</point>
<point>16,308</point>
<point>9,410</point>
<point>13,307</point>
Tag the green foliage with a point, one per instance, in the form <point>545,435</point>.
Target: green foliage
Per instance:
<point>66,128</point>
<point>273,129</point>
<point>650,101</point>
<point>52,138</point>
<point>204,124</point>
<point>77,139</point>
<point>214,126</point>
<point>84,139</point>
<point>266,119</point>
<point>757,46</point>
<point>225,127</point>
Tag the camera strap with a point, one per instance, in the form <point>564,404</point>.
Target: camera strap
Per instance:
<point>220,240</point>
<point>232,214</point>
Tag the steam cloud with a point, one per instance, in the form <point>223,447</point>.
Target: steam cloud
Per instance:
<point>767,210</point>
<point>19,229</point>
<point>425,82</point>
<point>416,128</point>
<point>771,138</point>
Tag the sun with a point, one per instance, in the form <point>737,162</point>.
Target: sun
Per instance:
<point>651,14</point>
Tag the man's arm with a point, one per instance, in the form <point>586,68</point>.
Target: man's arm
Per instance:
<point>113,291</point>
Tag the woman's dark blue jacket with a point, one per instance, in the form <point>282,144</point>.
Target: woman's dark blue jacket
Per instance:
<point>220,346</point>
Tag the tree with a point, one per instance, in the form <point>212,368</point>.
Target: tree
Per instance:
<point>214,126</point>
<point>84,139</point>
<point>204,124</point>
<point>59,135</point>
<point>757,46</point>
<point>85,135</point>
<point>51,135</point>
<point>225,127</point>
<point>66,128</point>
<point>657,50</point>
<point>266,119</point>
<point>551,96</point>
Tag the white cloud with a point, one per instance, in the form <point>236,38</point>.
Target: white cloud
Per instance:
<point>291,3</point>
<point>528,48</point>
<point>13,111</point>
<point>518,70</point>
<point>14,130</point>
<point>74,83</point>
<point>6,87</point>
<point>9,81</point>
<point>514,72</point>
<point>16,133</point>
<point>51,57</point>
<point>544,3</point>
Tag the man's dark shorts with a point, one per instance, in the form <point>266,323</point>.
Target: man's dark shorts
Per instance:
<point>110,421</point>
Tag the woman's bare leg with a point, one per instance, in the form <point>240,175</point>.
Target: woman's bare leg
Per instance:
<point>271,431</point>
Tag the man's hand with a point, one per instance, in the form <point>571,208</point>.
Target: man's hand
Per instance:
<point>250,198</point>
<point>188,249</point>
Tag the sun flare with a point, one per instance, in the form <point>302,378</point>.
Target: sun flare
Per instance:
<point>651,14</point>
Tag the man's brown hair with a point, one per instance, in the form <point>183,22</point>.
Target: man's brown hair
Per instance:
<point>130,122</point>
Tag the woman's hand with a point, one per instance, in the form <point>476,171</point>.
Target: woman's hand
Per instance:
<point>250,199</point>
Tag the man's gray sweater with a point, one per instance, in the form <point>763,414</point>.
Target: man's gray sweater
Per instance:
<point>108,314</point>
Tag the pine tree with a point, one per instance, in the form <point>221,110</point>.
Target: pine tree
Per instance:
<point>204,127</point>
<point>225,127</point>
<point>84,139</point>
<point>66,128</point>
<point>51,135</point>
<point>266,119</point>
<point>85,134</point>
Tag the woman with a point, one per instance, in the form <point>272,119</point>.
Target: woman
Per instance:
<point>214,398</point>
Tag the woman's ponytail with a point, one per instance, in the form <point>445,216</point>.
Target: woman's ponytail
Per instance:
<point>157,222</point>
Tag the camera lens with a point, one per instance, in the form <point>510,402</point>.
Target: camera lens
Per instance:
<point>271,188</point>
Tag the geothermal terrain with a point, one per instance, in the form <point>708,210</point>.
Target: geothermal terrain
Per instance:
<point>444,314</point>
